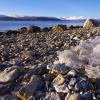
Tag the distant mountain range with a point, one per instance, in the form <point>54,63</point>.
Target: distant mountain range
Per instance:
<point>27,18</point>
<point>40,18</point>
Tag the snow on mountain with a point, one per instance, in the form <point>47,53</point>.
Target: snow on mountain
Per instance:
<point>74,18</point>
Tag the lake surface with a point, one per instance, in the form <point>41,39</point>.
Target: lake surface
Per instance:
<point>7,25</point>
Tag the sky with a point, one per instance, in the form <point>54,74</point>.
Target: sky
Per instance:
<point>51,8</point>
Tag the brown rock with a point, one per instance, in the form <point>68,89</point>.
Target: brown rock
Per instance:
<point>58,80</point>
<point>92,72</point>
<point>74,96</point>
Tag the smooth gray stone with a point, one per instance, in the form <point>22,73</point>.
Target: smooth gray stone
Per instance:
<point>72,83</point>
<point>52,96</point>
<point>31,88</point>
<point>10,74</point>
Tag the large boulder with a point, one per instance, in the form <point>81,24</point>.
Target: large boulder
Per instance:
<point>89,23</point>
<point>22,30</point>
<point>33,29</point>
<point>46,29</point>
<point>57,29</point>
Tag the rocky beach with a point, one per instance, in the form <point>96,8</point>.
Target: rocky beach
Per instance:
<point>52,63</point>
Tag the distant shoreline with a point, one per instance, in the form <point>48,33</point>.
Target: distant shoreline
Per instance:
<point>13,25</point>
<point>59,27</point>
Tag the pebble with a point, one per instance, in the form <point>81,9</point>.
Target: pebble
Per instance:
<point>72,83</point>
<point>84,85</point>
<point>52,96</point>
<point>87,96</point>
<point>59,68</point>
<point>81,85</point>
<point>10,74</point>
<point>58,80</point>
<point>97,81</point>
<point>50,65</point>
<point>75,96</point>
<point>72,73</point>
<point>61,88</point>
<point>30,88</point>
<point>92,72</point>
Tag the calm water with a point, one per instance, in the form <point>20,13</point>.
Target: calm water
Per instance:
<point>6,25</point>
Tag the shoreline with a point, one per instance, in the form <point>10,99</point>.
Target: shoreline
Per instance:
<point>68,27</point>
<point>14,25</point>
